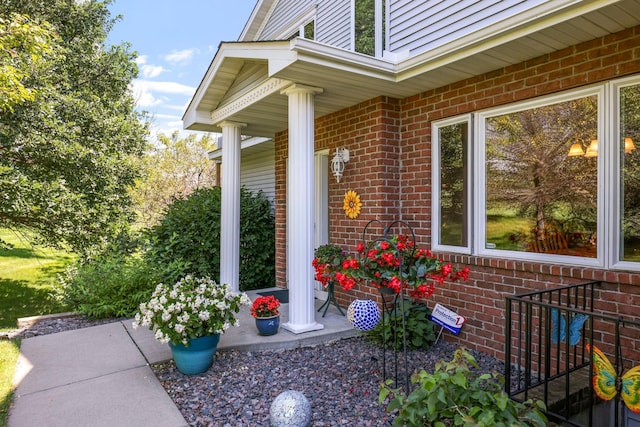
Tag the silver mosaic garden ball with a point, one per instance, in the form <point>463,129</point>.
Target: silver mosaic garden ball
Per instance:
<point>363,314</point>
<point>290,409</point>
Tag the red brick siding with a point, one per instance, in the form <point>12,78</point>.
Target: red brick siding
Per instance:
<point>390,145</point>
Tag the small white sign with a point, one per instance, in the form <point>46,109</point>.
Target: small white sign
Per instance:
<point>450,320</point>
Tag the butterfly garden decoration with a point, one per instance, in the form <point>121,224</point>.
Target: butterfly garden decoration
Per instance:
<point>607,383</point>
<point>559,327</point>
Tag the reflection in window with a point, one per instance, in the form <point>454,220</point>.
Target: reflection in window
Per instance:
<point>453,186</point>
<point>630,172</point>
<point>309,31</point>
<point>365,27</point>
<point>538,197</point>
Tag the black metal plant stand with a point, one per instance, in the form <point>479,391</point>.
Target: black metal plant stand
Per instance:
<point>331,299</point>
<point>390,306</point>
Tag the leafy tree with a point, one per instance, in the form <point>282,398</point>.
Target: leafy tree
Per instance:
<point>67,158</point>
<point>173,168</point>
<point>24,46</point>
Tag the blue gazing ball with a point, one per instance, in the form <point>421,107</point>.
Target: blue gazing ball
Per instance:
<point>290,409</point>
<point>363,314</point>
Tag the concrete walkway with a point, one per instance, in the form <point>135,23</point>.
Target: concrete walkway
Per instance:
<point>100,376</point>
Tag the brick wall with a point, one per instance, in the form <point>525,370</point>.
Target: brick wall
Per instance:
<point>390,144</point>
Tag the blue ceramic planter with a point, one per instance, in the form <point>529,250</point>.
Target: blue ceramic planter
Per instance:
<point>196,358</point>
<point>268,325</point>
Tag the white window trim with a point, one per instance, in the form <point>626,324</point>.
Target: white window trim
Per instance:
<point>615,191</point>
<point>435,187</point>
<point>479,189</point>
<point>297,25</point>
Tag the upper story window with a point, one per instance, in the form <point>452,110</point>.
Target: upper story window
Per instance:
<point>306,31</point>
<point>555,179</point>
<point>368,26</point>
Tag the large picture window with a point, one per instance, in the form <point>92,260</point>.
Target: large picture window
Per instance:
<point>629,160</point>
<point>542,179</point>
<point>553,179</point>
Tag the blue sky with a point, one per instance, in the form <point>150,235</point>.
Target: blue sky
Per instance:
<point>175,41</point>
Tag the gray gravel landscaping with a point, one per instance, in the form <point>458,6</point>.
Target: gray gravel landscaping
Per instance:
<point>339,379</point>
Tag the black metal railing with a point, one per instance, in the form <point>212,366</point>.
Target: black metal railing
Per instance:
<point>548,357</point>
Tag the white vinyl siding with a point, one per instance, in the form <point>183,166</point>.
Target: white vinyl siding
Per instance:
<point>333,23</point>
<point>257,172</point>
<point>419,26</point>
<point>284,15</point>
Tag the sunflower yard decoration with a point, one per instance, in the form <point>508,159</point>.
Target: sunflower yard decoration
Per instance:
<point>352,204</point>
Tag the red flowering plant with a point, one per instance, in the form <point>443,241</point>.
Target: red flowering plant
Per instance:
<point>394,262</point>
<point>265,306</point>
<point>327,261</point>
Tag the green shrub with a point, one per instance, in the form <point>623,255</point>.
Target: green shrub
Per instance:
<point>257,242</point>
<point>419,329</point>
<point>187,239</point>
<point>457,395</point>
<point>111,285</point>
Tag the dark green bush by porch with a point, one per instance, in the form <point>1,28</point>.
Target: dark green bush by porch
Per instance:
<point>187,240</point>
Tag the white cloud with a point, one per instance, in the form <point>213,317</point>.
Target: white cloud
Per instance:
<point>180,56</point>
<point>172,88</point>
<point>145,99</point>
<point>142,59</point>
<point>176,107</point>
<point>172,117</point>
<point>149,93</point>
<point>151,71</point>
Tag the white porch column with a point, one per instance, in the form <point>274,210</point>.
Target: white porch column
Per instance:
<point>230,215</point>
<point>300,209</point>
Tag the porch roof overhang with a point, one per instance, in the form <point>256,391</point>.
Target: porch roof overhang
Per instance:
<point>348,78</point>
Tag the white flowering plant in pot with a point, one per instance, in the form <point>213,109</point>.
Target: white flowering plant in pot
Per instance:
<point>192,308</point>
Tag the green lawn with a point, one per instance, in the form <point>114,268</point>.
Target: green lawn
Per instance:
<point>9,350</point>
<point>27,281</point>
<point>28,276</point>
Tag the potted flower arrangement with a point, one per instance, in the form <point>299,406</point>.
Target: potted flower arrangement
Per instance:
<point>265,311</point>
<point>327,260</point>
<point>395,263</point>
<point>190,316</point>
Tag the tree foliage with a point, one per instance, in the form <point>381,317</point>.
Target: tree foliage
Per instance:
<point>24,47</point>
<point>174,168</point>
<point>68,157</point>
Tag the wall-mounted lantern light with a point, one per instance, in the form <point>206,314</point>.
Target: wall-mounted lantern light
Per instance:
<point>340,157</point>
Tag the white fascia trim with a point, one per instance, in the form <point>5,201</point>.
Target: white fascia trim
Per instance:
<point>262,6</point>
<point>192,117</point>
<point>246,143</point>
<point>517,26</point>
<point>263,90</point>
<point>342,59</point>
<point>277,51</point>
